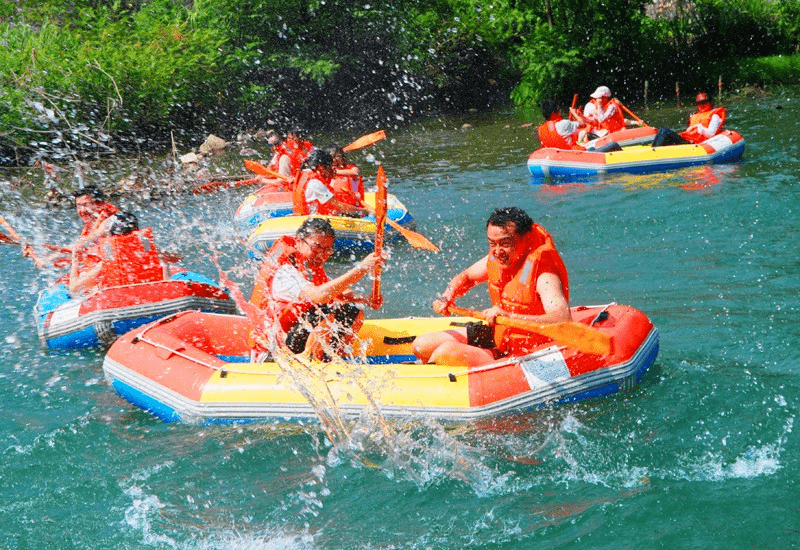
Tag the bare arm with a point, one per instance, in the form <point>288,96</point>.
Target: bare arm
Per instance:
<point>339,286</point>
<point>556,306</point>
<point>462,283</point>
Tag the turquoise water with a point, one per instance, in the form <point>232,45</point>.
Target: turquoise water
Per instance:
<point>701,455</point>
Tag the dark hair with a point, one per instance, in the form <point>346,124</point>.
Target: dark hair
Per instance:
<point>273,138</point>
<point>334,150</point>
<point>92,190</point>
<point>503,216</point>
<point>549,106</point>
<point>124,223</point>
<point>319,156</point>
<point>313,226</point>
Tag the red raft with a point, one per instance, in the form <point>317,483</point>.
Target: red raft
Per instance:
<point>197,367</point>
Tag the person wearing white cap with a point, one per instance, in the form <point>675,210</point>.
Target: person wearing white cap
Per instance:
<point>602,113</point>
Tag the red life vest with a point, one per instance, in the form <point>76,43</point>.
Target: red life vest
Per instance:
<point>615,122</point>
<point>295,156</point>
<point>129,259</point>
<point>348,189</point>
<point>514,290</point>
<point>300,206</point>
<point>549,136</point>
<point>704,119</point>
<point>282,253</point>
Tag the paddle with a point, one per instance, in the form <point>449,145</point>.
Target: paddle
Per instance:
<point>365,141</point>
<point>636,118</point>
<point>12,237</point>
<point>380,218</point>
<point>213,186</point>
<point>571,334</point>
<point>28,251</point>
<point>261,170</point>
<point>574,102</point>
<point>415,239</point>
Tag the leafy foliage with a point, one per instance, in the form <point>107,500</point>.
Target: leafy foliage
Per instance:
<point>99,75</point>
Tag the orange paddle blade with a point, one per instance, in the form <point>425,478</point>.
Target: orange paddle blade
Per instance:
<point>571,334</point>
<point>365,141</point>
<point>417,240</point>
<point>261,170</point>
<point>212,186</point>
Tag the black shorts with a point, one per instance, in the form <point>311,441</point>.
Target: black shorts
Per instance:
<point>482,336</point>
<point>344,313</point>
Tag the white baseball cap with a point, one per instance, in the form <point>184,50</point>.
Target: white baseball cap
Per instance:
<point>602,91</point>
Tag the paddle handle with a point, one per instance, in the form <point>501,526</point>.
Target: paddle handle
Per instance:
<point>380,220</point>
<point>575,335</point>
<point>635,117</point>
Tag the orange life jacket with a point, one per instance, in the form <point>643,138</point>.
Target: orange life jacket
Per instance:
<point>549,137</point>
<point>514,290</point>
<point>297,149</point>
<point>296,158</point>
<point>704,119</point>
<point>615,122</point>
<point>282,253</point>
<point>129,259</point>
<point>348,189</point>
<point>300,206</point>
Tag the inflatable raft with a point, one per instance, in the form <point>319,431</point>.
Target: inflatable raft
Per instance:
<point>727,146</point>
<point>264,204</point>
<point>352,234</point>
<point>196,367</point>
<point>100,317</point>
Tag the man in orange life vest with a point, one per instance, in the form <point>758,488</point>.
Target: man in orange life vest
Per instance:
<point>125,255</point>
<point>294,289</point>
<point>706,122</point>
<point>557,132</point>
<point>314,194</point>
<point>527,280</point>
<point>603,113</point>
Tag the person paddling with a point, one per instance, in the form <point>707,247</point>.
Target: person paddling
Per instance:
<point>603,114</point>
<point>314,193</point>
<point>126,255</point>
<point>527,281</point>
<point>704,123</point>
<point>294,289</point>
<point>558,132</point>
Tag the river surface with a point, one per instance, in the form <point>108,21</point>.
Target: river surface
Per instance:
<point>702,454</point>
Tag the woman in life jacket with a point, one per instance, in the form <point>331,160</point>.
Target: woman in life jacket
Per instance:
<point>603,113</point>
<point>347,183</point>
<point>127,255</point>
<point>297,294</point>
<point>314,193</point>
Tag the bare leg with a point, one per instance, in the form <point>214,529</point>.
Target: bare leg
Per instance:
<point>426,344</point>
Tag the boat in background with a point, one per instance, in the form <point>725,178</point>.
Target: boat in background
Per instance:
<point>102,316</point>
<point>197,367</point>
<point>727,146</point>
<point>352,234</point>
